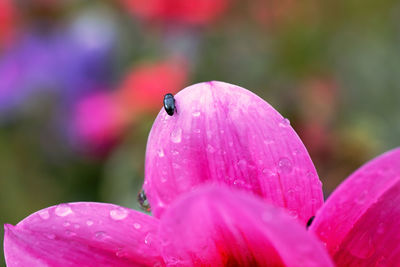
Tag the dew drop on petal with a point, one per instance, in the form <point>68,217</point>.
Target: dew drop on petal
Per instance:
<point>210,148</point>
<point>44,214</point>
<point>197,131</point>
<point>70,233</point>
<point>77,226</point>
<point>293,214</point>
<point>176,135</point>
<point>196,113</point>
<point>284,123</point>
<point>148,239</point>
<point>137,225</point>
<point>100,235</point>
<point>121,253</point>
<point>242,164</point>
<point>66,224</point>
<point>89,222</point>
<point>161,153</point>
<point>176,166</point>
<point>285,166</point>
<point>118,214</point>
<point>63,210</point>
<point>174,152</point>
<point>50,236</point>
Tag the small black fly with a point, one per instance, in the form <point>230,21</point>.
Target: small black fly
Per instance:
<point>142,198</point>
<point>169,104</point>
<point>310,221</point>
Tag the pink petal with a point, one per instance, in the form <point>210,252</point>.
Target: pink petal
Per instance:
<point>222,133</point>
<point>218,226</point>
<point>83,234</point>
<point>360,221</point>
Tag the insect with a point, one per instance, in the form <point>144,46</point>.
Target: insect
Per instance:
<point>169,104</point>
<point>142,198</point>
<point>310,221</point>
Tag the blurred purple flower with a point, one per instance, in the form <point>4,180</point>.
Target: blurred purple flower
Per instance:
<point>67,62</point>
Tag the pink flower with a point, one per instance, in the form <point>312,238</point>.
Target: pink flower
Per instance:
<point>359,223</point>
<point>206,218</point>
<point>224,134</point>
<point>212,226</point>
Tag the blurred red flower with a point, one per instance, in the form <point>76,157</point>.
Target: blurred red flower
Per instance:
<point>196,12</point>
<point>145,85</point>
<point>7,21</point>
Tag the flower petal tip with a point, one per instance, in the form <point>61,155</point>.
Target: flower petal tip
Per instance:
<point>225,134</point>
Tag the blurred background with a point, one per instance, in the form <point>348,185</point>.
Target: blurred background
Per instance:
<point>82,81</point>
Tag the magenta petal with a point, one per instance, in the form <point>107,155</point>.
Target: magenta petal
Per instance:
<point>218,226</point>
<point>360,221</point>
<point>222,133</point>
<point>83,234</point>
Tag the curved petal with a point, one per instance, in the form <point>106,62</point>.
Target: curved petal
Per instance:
<point>218,226</point>
<point>222,133</point>
<point>359,221</point>
<point>83,234</point>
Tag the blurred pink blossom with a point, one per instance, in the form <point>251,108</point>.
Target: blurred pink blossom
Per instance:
<point>192,12</point>
<point>98,122</point>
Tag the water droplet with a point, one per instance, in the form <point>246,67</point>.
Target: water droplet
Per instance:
<point>362,197</point>
<point>148,239</point>
<point>284,123</point>
<point>77,226</point>
<point>161,153</point>
<point>242,164</point>
<point>196,113</point>
<point>100,235</point>
<point>285,165</point>
<point>50,236</point>
<point>210,148</point>
<point>294,214</point>
<point>230,143</point>
<point>142,199</point>
<point>364,247</point>
<point>66,224</point>
<point>137,225</point>
<point>176,165</point>
<point>222,131</point>
<point>89,222</point>
<point>163,179</point>
<point>120,253</point>
<point>118,214</point>
<point>176,135</point>
<point>197,131</point>
<point>44,214</point>
<point>63,210</point>
<point>238,182</point>
<point>70,233</point>
<point>174,152</point>
<point>296,152</point>
<point>268,142</point>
